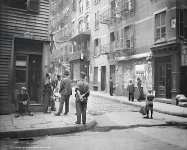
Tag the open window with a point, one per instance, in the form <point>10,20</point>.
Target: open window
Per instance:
<point>182,23</point>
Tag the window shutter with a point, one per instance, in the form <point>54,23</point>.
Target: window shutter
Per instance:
<point>33,5</point>
<point>185,24</point>
<point>122,37</point>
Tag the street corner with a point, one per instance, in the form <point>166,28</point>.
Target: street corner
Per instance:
<point>43,124</point>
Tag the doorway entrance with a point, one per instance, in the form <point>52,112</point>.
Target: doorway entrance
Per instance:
<point>163,77</point>
<point>28,74</point>
<point>34,78</point>
<point>103,78</point>
<point>183,84</point>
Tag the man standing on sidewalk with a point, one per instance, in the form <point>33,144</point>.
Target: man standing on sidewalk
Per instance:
<point>66,91</point>
<point>111,86</point>
<point>130,89</point>
<point>82,93</point>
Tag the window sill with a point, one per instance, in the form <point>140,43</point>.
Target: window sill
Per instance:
<point>160,41</point>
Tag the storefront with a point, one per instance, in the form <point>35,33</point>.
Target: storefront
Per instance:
<point>166,64</point>
<point>183,70</point>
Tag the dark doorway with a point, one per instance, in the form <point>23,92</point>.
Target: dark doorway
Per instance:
<point>183,85</point>
<point>34,78</point>
<point>163,80</point>
<point>168,80</point>
<point>112,72</point>
<point>103,78</point>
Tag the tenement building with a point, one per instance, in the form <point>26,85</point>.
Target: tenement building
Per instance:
<point>24,50</point>
<point>133,39</point>
<point>61,32</point>
<point>122,40</point>
<point>80,57</point>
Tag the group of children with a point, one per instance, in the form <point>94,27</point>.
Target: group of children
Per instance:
<point>148,108</point>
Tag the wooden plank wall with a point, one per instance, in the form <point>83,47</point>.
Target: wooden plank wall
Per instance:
<point>16,22</point>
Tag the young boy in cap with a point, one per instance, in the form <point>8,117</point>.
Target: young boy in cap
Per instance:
<point>149,103</point>
<point>23,102</point>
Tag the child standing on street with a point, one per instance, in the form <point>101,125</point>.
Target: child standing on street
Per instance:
<point>149,103</point>
<point>130,89</point>
<point>23,102</point>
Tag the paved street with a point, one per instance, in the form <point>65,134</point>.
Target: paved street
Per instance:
<point>119,126</point>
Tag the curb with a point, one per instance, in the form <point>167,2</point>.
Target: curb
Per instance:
<point>138,105</point>
<point>47,131</point>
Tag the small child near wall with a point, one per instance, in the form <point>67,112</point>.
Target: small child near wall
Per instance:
<point>149,103</point>
<point>23,102</point>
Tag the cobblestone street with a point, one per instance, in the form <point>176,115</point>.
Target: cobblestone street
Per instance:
<point>119,126</point>
<point>100,106</point>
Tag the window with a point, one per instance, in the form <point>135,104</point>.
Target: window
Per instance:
<point>160,26</point>
<point>74,5</point>
<point>128,35</point>
<point>87,22</point>
<point>96,42</point>
<point>117,39</point>
<point>121,37</point>
<point>112,40</point>
<point>96,46</point>
<point>128,5</point>
<point>21,64</point>
<point>30,5</point>
<point>112,37</point>
<point>182,23</point>
<point>96,2</point>
<point>97,21</point>
<point>81,26</point>
<point>80,6</point>
<point>87,4</point>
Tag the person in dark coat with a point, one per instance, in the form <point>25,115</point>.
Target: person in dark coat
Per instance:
<point>111,86</point>
<point>82,93</point>
<point>149,103</point>
<point>65,91</point>
<point>23,102</point>
<point>47,93</point>
<point>130,89</point>
<point>56,87</point>
<point>140,90</point>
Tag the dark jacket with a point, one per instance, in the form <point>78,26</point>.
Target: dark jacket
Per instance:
<point>48,89</point>
<point>65,87</point>
<point>130,88</point>
<point>23,97</point>
<point>83,87</point>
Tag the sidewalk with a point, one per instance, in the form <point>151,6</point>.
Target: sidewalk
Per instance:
<point>41,124</point>
<point>158,107</point>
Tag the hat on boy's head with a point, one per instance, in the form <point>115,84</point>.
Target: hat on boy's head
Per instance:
<point>23,88</point>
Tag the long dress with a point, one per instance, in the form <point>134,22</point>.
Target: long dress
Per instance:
<point>47,95</point>
<point>140,91</point>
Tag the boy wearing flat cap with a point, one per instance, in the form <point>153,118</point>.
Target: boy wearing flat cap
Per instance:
<point>23,102</point>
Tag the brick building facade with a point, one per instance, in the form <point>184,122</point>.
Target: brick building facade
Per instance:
<point>127,39</point>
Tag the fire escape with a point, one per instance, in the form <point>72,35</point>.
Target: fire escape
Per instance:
<point>122,38</point>
<point>119,10</point>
